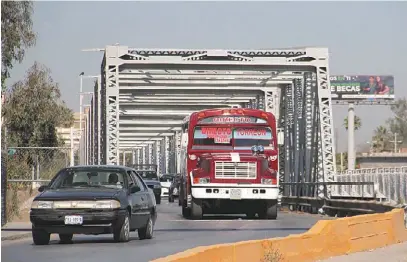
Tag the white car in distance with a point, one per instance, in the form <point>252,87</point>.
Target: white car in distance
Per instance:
<point>165,181</point>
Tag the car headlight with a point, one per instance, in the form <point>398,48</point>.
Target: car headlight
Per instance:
<point>157,186</point>
<point>107,204</point>
<point>267,181</point>
<point>98,204</point>
<point>38,204</point>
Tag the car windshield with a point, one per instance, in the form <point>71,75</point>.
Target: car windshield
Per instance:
<point>148,175</point>
<point>91,177</point>
<point>166,178</point>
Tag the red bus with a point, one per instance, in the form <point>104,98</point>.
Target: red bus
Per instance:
<point>229,163</point>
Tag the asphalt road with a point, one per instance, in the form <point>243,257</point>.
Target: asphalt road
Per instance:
<point>172,234</point>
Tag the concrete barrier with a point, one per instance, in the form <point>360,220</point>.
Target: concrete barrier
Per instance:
<point>325,239</point>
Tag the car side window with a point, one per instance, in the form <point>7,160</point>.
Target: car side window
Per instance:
<point>130,179</point>
<point>138,181</point>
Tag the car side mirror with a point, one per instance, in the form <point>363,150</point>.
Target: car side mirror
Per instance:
<point>42,188</point>
<point>134,189</point>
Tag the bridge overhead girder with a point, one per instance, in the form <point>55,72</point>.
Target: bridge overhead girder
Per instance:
<point>156,89</point>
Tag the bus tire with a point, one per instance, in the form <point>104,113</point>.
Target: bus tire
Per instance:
<point>269,211</point>
<point>196,209</point>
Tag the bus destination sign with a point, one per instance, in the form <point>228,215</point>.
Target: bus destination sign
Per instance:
<point>220,135</point>
<point>232,120</point>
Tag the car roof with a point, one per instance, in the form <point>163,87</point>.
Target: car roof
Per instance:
<point>101,166</point>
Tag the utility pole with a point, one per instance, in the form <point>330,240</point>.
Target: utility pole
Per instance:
<point>395,142</point>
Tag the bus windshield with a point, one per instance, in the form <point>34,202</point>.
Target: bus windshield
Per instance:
<point>232,137</point>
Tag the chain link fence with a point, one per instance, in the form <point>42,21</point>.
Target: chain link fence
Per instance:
<point>3,188</point>
<point>27,169</point>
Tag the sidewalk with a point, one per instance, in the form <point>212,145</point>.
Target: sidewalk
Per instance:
<point>393,253</point>
<point>16,230</point>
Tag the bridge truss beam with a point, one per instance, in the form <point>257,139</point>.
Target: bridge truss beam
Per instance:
<point>141,92</point>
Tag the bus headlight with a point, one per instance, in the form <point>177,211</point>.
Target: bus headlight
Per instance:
<point>201,180</point>
<point>204,180</point>
<point>267,181</point>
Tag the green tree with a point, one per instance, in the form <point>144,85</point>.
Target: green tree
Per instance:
<point>32,112</point>
<point>34,109</point>
<point>398,124</point>
<point>16,34</point>
<point>358,123</point>
<point>381,139</point>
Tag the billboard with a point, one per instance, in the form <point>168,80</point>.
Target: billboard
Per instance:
<point>362,87</point>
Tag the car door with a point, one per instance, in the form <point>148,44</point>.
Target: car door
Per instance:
<point>145,204</point>
<point>136,202</point>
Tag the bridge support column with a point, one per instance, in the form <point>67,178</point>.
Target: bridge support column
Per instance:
<point>158,156</point>
<point>110,103</point>
<point>167,155</point>
<point>133,156</point>
<point>162,156</point>
<point>178,152</point>
<point>138,156</point>
<point>124,158</point>
<point>150,153</point>
<point>144,157</point>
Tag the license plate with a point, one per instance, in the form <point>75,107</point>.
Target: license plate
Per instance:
<point>235,194</point>
<point>73,220</point>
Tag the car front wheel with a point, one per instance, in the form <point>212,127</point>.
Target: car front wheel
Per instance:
<point>147,231</point>
<point>121,232</point>
<point>40,237</point>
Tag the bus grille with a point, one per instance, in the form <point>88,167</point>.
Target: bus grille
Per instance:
<point>235,170</point>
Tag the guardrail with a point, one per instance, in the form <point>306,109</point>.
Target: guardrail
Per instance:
<point>366,202</point>
<point>325,239</point>
<point>390,184</point>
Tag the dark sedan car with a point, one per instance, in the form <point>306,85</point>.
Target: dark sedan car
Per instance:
<point>150,177</point>
<point>174,188</point>
<point>93,200</point>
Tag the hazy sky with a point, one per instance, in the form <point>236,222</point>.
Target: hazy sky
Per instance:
<point>363,38</point>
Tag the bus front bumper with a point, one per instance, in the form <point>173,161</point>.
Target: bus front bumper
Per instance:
<point>260,192</point>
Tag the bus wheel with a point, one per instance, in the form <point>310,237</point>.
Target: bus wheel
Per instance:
<point>196,209</point>
<point>269,211</point>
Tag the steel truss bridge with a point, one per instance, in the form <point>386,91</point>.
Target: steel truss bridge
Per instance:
<point>142,96</point>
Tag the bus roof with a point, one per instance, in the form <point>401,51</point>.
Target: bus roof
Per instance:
<point>234,111</point>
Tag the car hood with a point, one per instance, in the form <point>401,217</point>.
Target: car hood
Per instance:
<point>78,194</point>
<point>151,182</point>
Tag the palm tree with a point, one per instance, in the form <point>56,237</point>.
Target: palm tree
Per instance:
<point>381,139</point>
<point>358,123</point>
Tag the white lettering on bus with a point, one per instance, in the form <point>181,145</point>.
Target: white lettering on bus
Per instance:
<point>251,132</point>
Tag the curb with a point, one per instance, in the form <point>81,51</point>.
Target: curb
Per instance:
<point>16,237</point>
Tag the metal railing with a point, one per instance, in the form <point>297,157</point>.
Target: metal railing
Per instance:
<point>390,184</point>
<point>334,207</point>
